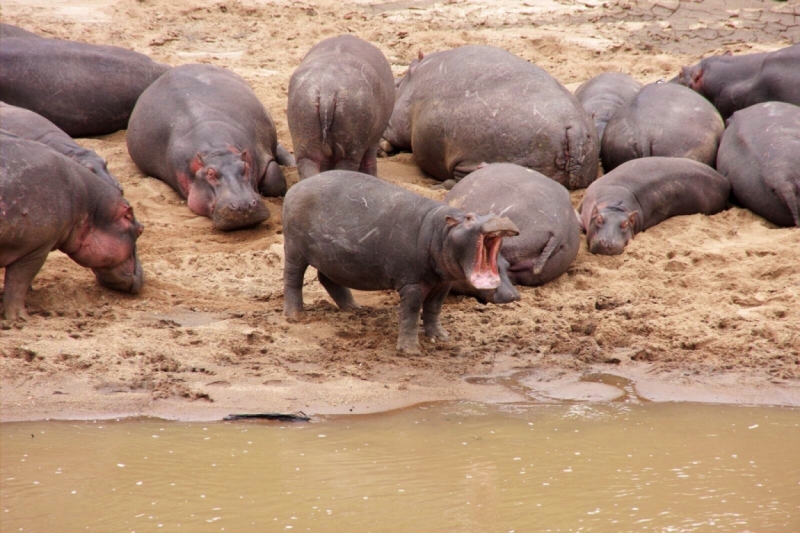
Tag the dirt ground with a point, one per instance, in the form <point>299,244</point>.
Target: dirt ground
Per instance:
<point>699,307</point>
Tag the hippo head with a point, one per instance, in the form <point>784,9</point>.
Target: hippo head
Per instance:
<point>397,135</point>
<point>224,190</point>
<point>691,77</point>
<point>471,247</point>
<point>610,228</point>
<point>107,245</point>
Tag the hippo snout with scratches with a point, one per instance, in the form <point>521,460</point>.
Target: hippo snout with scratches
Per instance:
<point>363,233</point>
<point>644,192</point>
<point>50,202</point>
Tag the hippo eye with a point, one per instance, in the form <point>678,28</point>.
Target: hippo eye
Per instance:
<point>211,175</point>
<point>599,220</point>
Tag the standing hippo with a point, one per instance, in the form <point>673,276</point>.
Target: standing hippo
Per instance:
<point>84,89</point>
<point>549,236</point>
<point>644,192</point>
<point>50,202</point>
<point>602,95</point>
<point>733,82</point>
<point>340,100</point>
<point>456,109</point>
<point>29,125</point>
<point>760,155</point>
<point>664,119</point>
<point>202,130</point>
<point>362,232</point>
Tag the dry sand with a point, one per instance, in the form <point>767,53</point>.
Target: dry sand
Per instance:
<point>702,308</point>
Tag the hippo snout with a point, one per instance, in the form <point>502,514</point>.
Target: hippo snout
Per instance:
<point>235,214</point>
<point>127,277</point>
<point>603,246</point>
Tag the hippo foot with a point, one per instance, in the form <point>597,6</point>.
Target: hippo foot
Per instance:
<point>293,316</point>
<point>385,147</point>
<point>20,315</point>
<point>437,332</point>
<point>409,347</point>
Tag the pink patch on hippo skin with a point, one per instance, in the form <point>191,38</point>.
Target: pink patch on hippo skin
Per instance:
<point>183,183</point>
<point>485,274</point>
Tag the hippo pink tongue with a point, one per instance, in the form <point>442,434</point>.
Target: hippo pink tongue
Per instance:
<point>484,274</point>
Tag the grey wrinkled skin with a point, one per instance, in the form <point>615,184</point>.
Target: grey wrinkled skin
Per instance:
<point>29,125</point>
<point>663,119</point>
<point>340,100</point>
<point>84,89</point>
<point>644,192</point>
<point>202,130</point>
<point>458,108</point>
<point>49,202</point>
<point>363,233</point>
<point>8,31</point>
<point>549,237</point>
<point>760,155</point>
<point>602,95</point>
<point>734,82</point>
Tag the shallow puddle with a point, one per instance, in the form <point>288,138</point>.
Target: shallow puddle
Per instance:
<point>458,467</point>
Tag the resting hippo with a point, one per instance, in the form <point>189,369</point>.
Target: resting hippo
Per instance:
<point>456,109</point>
<point>9,31</point>
<point>29,125</point>
<point>733,82</point>
<point>340,100</point>
<point>541,208</point>
<point>362,232</point>
<point>644,192</point>
<point>760,155</point>
<point>84,89</point>
<point>202,130</point>
<point>50,202</point>
<point>602,95</point>
<point>664,119</point>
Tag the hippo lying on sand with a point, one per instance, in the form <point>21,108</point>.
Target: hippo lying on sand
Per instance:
<point>50,202</point>
<point>340,100</point>
<point>202,130</point>
<point>364,233</point>
<point>456,109</point>
<point>663,119</point>
<point>644,192</point>
<point>549,236</point>
<point>602,95</point>
<point>760,155</point>
<point>84,89</point>
<point>733,82</point>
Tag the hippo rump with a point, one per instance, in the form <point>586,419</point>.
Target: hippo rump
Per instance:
<point>733,82</point>
<point>549,236</point>
<point>760,155</point>
<point>458,108</point>
<point>202,130</point>
<point>32,126</point>
<point>602,95</point>
<point>644,192</point>
<point>84,89</point>
<point>9,31</point>
<point>49,202</point>
<point>663,119</point>
<point>340,100</point>
<point>363,233</point>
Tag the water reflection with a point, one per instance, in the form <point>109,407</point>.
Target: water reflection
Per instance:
<point>459,467</point>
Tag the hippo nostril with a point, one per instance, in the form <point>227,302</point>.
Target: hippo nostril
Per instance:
<point>253,203</point>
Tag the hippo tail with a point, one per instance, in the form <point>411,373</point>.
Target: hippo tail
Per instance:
<point>580,155</point>
<point>326,105</point>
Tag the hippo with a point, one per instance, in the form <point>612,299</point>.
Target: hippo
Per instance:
<point>9,31</point>
<point>29,125</point>
<point>49,202</point>
<point>760,155</point>
<point>202,130</point>
<point>644,192</point>
<point>340,100</point>
<point>84,89</point>
<point>602,95</point>
<point>549,236</point>
<point>361,232</point>
<point>456,109</point>
<point>663,119</point>
<point>733,82</point>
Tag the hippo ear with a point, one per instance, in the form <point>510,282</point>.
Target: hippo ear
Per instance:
<point>248,162</point>
<point>196,163</point>
<point>632,218</point>
<point>420,55</point>
<point>727,53</point>
<point>595,212</point>
<point>451,221</point>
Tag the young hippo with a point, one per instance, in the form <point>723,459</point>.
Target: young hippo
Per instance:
<point>50,202</point>
<point>363,233</point>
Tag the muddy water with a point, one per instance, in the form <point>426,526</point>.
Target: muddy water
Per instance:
<point>453,467</point>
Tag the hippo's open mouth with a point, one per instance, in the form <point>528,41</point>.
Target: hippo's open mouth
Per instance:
<point>484,273</point>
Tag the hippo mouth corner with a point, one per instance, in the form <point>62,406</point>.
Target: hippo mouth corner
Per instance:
<point>484,272</point>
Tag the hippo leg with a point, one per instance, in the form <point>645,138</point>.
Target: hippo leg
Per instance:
<point>340,294</point>
<point>411,299</point>
<point>431,309</point>
<point>369,163</point>
<point>307,167</point>
<point>274,183</point>
<point>464,168</point>
<point>293,273</point>
<point>284,157</point>
<point>18,278</point>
